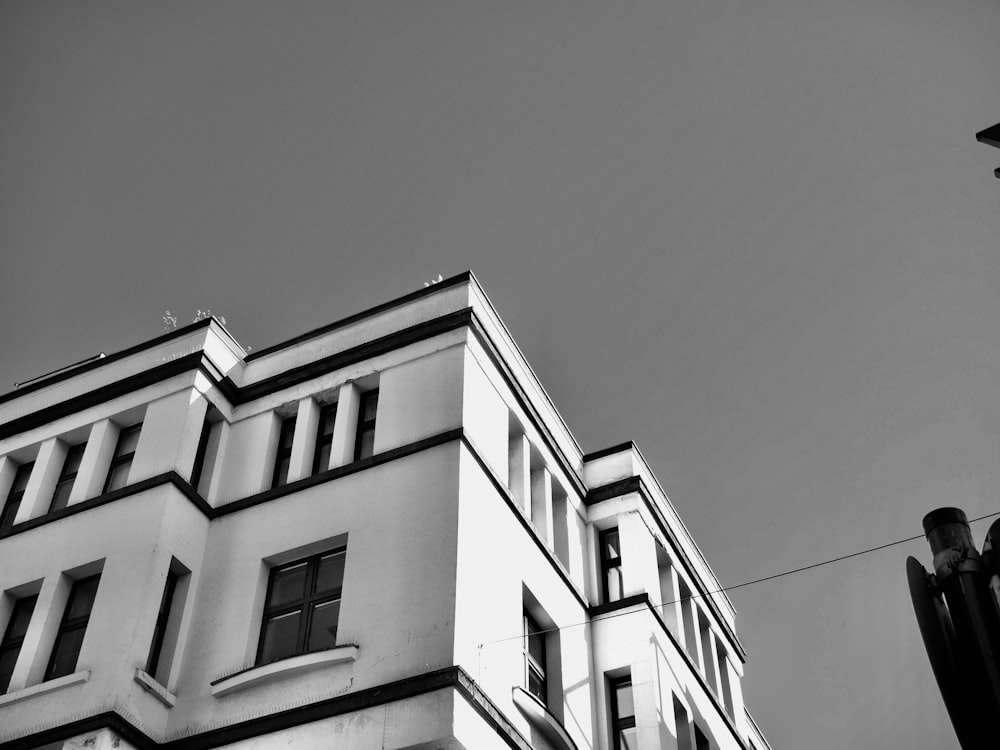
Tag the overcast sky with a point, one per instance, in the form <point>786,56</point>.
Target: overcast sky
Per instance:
<point>759,239</point>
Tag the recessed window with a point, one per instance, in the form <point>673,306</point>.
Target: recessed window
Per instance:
<point>283,458</point>
<point>13,637</point>
<point>623,714</point>
<point>13,502</point>
<point>324,438</point>
<point>701,741</point>
<point>534,659</point>
<point>67,476</point>
<point>201,454</point>
<point>69,639</point>
<point>160,629</point>
<point>121,462</point>
<point>364,444</point>
<point>682,725</point>
<point>302,607</point>
<point>611,565</point>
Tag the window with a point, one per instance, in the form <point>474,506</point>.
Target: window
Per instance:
<point>324,438</point>
<point>67,477</point>
<point>13,503</point>
<point>13,637</point>
<point>283,458</point>
<point>364,443</point>
<point>623,714</point>
<point>160,629</point>
<point>700,739</point>
<point>682,723</point>
<point>302,607</point>
<point>688,615</point>
<point>202,452</point>
<point>534,659</point>
<point>121,462</point>
<point>69,639</point>
<point>611,565</point>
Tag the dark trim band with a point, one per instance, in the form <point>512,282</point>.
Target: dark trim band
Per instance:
<point>453,677</point>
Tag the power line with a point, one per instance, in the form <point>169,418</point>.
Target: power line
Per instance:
<point>612,615</point>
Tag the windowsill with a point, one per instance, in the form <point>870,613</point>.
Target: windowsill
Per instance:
<point>542,719</point>
<point>280,670</point>
<point>45,687</point>
<point>152,686</point>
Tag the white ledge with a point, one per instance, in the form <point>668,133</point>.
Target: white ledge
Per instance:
<point>157,690</point>
<point>542,719</point>
<point>45,687</point>
<point>279,670</point>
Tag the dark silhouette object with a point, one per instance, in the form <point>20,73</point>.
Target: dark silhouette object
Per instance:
<point>991,137</point>
<point>958,613</point>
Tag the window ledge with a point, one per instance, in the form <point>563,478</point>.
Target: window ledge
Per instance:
<point>45,687</point>
<point>542,719</point>
<point>279,670</point>
<point>150,684</point>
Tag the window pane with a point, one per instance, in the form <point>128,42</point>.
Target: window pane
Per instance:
<point>536,685</point>
<point>9,512</point>
<point>280,636</point>
<point>118,477</point>
<point>65,653</point>
<point>21,478</point>
<point>281,471</point>
<point>19,618</point>
<point>331,572</point>
<point>287,434</point>
<point>321,462</point>
<point>610,541</point>
<point>370,408</point>
<point>614,584</point>
<point>73,458</point>
<point>60,497</point>
<point>329,417</point>
<point>536,647</point>
<point>627,739</point>
<point>127,440</point>
<point>82,598</point>
<point>287,585</point>
<point>366,444</point>
<point>623,701</point>
<point>323,628</point>
<point>8,658</point>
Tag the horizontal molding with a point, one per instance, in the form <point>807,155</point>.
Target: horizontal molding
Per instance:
<point>612,490</point>
<point>611,450</point>
<point>43,688</point>
<point>154,688</point>
<point>283,669</point>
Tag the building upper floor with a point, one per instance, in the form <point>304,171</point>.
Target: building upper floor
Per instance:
<point>253,447</point>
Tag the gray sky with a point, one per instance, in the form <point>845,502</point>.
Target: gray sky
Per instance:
<point>757,238</point>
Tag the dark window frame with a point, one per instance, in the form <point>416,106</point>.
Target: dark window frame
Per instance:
<point>283,455</point>
<point>119,459</point>
<point>364,425</point>
<point>67,478</point>
<point>306,605</point>
<point>608,563</point>
<point>619,723</point>
<point>324,438</point>
<point>162,620</point>
<point>16,494</point>
<point>69,625</point>
<point>11,643</point>
<point>533,666</point>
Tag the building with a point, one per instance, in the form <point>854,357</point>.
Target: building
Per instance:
<point>379,534</point>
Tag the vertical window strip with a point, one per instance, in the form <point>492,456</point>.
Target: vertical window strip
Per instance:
<point>13,638</point>
<point>622,714</point>
<point>202,452</point>
<point>283,457</point>
<point>611,562</point>
<point>121,461</point>
<point>364,442</point>
<point>67,476</point>
<point>72,629</point>
<point>160,628</point>
<point>14,497</point>
<point>535,659</point>
<point>324,438</point>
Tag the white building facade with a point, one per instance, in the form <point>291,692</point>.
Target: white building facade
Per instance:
<point>379,534</point>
